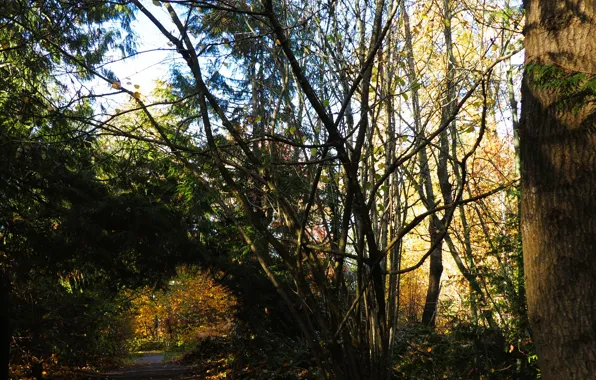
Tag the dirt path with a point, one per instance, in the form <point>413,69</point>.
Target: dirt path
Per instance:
<point>150,359</point>
<point>149,367</point>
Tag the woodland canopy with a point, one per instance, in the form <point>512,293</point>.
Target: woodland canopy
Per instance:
<point>332,189</point>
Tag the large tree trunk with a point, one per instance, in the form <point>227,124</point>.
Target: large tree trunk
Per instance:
<point>558,168</point>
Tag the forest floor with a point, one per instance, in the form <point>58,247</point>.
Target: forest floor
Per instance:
<point>215,358</point>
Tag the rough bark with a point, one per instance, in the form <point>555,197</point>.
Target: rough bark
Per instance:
<point>558,168</point>
<point>435,271</point>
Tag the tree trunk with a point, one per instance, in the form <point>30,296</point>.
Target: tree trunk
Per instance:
<point>436,225</point>
<point>5,328</point>
<point>558,168</point>
<point>425,188</point>
<point>37,371</point>
<point>434,275</point>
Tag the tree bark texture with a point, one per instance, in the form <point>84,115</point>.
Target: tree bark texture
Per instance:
<point>435,271</point>
<point>558,169</point>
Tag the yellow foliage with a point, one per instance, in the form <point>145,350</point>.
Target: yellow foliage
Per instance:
<point>192,307</point>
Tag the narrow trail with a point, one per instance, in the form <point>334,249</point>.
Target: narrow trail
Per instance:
<point>148,366</point>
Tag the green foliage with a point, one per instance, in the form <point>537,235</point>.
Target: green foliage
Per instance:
<point>576,89</point>
<point>68,237</point>
<point>463,352</point>
<point>59,327</point>
<point>77,224</point>
<point>263,356</point>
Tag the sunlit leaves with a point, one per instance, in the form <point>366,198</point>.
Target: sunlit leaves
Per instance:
<point>191,305</point>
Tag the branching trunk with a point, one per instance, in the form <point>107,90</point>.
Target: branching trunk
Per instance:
<point>437,225</point>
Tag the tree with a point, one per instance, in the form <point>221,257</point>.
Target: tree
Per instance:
<point>191,306</point>
<point>65,226</point>
<point>313,202</point>
<point>312,155</point>
<point>71,211</point>
<point>558,152</point>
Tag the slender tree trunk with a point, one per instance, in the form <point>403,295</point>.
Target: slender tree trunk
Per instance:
<point>425,189</point>
<point>387,73</point>
<point>519,258</point>
<point>436,225</point>
<point>476,289</point>
<point>558,168</point>
<point>5,326</point>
